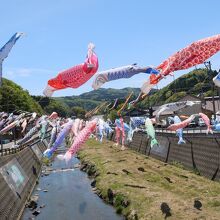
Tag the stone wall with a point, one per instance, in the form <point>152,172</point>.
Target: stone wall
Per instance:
<point>12,202</point>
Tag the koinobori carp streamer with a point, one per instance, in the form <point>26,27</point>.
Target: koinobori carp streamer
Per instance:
<point>80,139</point>
<point>120,73</point>
<point>75,76</point>
<point>194,54</point>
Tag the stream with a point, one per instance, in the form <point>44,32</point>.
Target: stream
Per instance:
<point>66,194</point>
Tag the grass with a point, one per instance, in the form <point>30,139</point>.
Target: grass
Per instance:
<point>46,161</point>
<point>146,190</point>
<point>214,203</point>
<point>177,164</point>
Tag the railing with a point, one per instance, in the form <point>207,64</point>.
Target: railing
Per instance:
<point>200,153</point>
<point>192,132</point>
<point>12,150</point>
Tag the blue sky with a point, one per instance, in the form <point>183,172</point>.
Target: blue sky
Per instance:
<point>124,32</point>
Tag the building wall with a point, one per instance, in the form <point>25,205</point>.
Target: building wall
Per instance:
<point>209,104</point>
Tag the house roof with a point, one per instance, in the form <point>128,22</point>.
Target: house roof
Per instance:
<point>137,111</point>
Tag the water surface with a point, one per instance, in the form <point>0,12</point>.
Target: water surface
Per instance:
<point>69,196</point>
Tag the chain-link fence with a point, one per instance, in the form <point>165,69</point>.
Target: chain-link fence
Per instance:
<point>200,153</point>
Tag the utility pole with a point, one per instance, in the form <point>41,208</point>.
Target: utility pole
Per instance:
<point>218,91</point>
<point>209,70</point>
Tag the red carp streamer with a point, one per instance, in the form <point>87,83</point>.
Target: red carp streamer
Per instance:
<point>194,54</point>
<point>75,76</point>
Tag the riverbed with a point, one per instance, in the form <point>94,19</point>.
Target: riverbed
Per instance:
<point>66,194</point>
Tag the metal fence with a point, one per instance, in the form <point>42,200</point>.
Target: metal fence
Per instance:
<point>200,153</point>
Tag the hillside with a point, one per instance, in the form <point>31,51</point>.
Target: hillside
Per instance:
<point>109,94</point>
<point>91,99</point>
<point>13,97</point>
<point>197,82</point>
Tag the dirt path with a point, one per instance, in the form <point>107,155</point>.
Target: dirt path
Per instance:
<point>139,185</point>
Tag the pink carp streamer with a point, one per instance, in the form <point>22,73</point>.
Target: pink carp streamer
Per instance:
<point>12,124</point>
<point>75,127</point>
<point>120,130</point>
<point>194,54</point>
<point>24,125</point>
<point>53,115</point>
<point>80,139</point>
<point>9,127</point>
<point>182,124</point>
<point>80,125</point>
<point>75,76</point>
<point>207,122</point>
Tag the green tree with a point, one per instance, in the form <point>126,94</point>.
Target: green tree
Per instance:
<point>79,112</point>
<point>43,101</point>
<point>55,106</point>
<point>112,115</point>
<point>13,97</point>
<point>193,83</point>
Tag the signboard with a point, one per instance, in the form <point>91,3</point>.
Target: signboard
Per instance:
<point>15,176</point>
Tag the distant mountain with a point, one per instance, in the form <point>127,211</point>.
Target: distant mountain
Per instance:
<point>109,94</point>
<point>91,99</point>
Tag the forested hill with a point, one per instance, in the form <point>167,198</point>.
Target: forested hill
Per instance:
<point>91,99</point>
<point>78,105</point>
<point>13,97</point>
<point>197,82</point>
<point>109,94</point>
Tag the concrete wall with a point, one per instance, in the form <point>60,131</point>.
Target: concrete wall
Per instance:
<point>12,204</point>
<point>200,153</point>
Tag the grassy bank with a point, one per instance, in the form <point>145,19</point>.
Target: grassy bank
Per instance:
<point>138,185</point>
